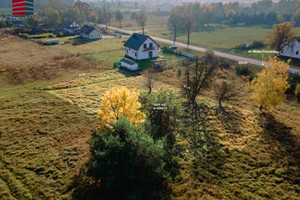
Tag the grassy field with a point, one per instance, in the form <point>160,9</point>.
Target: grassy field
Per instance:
<point>222,39</point>
<point>47,116</point>
<point>5,11</point>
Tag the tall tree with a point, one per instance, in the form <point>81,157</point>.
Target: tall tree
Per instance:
<point>296,17</point>
<point>280,35</point>
<point>93,17</point>
<point>119,17</point>
<point>188,24</point>
<point>271,84</point>
<point>142,19</point>
<point>174,22</point>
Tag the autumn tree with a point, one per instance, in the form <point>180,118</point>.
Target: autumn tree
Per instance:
<point>93,17</point>
<point>188,24</point>
<point>119,102</point>
<point>271,84</point>
<point>107,14</point>
<point>119,17</point>
<point>296,17</point>
<point>33,20</point>
<point>225,91</point>
<point>280,34</point>
<point>141,20</point>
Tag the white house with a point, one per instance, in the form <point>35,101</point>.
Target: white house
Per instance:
<point>72,26</point>
<point>129,64</point>
<point>292,48</point>
<point>90,32</point>
<point>140,47</point>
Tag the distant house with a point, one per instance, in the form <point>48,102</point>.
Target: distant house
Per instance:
<point>140,47</point>
<point>72,26</point>
<point>129,64</point>
<point>292,48</point>
<point>90,32</point>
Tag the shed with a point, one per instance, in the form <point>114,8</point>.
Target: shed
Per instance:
<point>129,64</point>
<point>52,41</point>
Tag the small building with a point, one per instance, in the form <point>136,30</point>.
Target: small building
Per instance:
<point>129,64</point>
<point>141,47</point>
<point>52,41</point>
<point>72,26</point>
<point>292,49</point>
<point>90,33</point>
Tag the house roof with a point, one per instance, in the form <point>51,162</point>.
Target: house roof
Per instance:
<point>297,38</point>
<point>88,29</point>
<point>136,40</point>
<point>72,24</point>
<point>129,62</point>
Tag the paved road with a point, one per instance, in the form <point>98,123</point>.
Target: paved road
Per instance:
<point>200,49</point>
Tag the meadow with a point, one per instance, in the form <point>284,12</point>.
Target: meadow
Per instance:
<point>49,100</point>
<point>223,39</point>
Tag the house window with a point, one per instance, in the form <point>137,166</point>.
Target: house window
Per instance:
<point>127,50</point>
<point>135,54</point>
<point>145,46</point>
<point>150,45</point>
<point>297,52</point>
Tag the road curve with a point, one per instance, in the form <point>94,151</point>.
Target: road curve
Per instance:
<point>200,49</point>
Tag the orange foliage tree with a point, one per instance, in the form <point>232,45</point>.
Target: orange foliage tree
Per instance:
<point>119,102</point>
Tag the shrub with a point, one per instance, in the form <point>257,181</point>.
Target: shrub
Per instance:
<point>163,110</point>
<point>245,71</point>
<point>294,80</point>
<point>297,92</point>
<point>128,162</point>
<point>257,44</point>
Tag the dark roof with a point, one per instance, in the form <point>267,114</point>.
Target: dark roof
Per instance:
<point>129,62</point>
<point>297,38</point>
<point>135,41</point>
<point>88,29</point>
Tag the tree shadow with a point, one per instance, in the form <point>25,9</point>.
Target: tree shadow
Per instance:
<point>85,187</point>
<point>277,131</point>
<point>209,154</point>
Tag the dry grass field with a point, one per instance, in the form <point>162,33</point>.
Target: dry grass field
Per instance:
<point>48,112</point>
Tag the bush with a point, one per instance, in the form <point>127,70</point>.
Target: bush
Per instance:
<point>294,80</point>
<point>163,110</point>
<point>257,44</point>
<point>297,92</point>
<point>129,163</point>
<point>245,71</point>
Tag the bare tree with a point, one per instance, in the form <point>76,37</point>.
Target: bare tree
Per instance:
<point>225,91</point>
<point>107,14</point>
<point>188,24</point>
<point>142,19</point>
<point>149,79</point>
<point>174,23</point>
<point>198,74</point>
<point>119,17</point>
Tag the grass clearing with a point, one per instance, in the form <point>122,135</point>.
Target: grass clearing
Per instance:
<point>45,127</point>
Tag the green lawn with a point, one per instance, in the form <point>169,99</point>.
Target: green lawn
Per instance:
<point>5,11</point>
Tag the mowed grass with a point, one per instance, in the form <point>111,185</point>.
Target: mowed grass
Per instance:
<point>45,126</point>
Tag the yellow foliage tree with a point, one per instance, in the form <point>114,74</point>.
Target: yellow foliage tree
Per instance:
<point>271,84</point>
<point>119,102</point>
